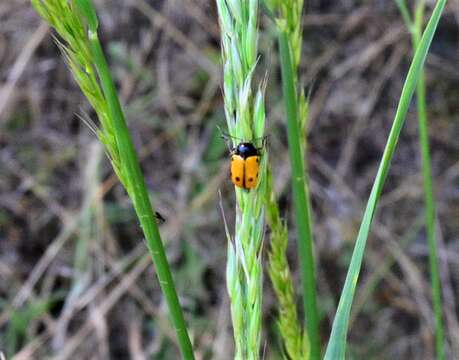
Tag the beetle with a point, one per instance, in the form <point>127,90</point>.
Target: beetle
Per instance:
<point>245,165</point>
<point>245,161</point>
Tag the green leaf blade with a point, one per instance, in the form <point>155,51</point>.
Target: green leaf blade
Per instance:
<point>336,348</point>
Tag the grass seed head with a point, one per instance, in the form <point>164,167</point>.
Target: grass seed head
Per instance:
<point>245,117</point>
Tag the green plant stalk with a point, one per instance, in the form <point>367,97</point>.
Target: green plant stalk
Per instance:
<point>76,22</point>
<point>336,348</point>
<point>428,192</point>
<point>300,197</point>
<point>141,199</point>
<point>405,14</point>
<point>430,220</point>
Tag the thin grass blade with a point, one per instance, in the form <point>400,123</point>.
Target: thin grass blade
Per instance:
<point>336,348</point>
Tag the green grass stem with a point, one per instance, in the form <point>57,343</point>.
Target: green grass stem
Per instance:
<point>336,348</point>
<point>429,202</point>
<point>300,196</point>
<point>77,24</point>
<point>405,14</point>
<point>142,204</point>
<point>415,28</point>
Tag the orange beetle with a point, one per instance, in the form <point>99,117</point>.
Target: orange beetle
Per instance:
<point>245,165</point>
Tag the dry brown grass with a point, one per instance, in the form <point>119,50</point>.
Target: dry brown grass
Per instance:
<point>164,56</point>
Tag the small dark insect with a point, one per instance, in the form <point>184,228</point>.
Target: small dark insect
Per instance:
<point>159,218</point>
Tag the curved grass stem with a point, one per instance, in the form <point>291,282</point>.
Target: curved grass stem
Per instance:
<point>141,199</point>
<point>76,22</point>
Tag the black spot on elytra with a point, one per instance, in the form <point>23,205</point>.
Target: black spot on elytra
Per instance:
<point>250,179</point>
<point>238,178</point>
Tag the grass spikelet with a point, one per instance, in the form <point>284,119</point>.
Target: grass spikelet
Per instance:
<point>245,116</point>
<point>76,23</point>
<point>65,18</point>
<point>296,343</point>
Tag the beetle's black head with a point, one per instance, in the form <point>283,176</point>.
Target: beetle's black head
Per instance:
<point>246,149</point>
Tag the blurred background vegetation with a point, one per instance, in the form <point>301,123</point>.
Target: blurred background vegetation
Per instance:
<point>75,278</point>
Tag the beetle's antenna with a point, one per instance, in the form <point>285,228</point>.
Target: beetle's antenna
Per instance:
<point>225,135</point>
